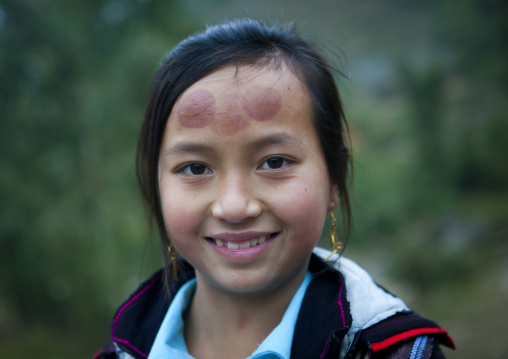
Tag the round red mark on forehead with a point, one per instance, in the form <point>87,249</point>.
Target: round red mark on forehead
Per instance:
<point>196,109</point>
<point>229,119</point>
<point>261,103</point>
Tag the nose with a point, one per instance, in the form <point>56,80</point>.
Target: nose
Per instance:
<point>235,200</point>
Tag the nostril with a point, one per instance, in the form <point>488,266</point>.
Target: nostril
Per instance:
<point>235,202</point>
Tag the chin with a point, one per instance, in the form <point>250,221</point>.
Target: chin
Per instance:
<point>253,283</point>
<point>246,286</point>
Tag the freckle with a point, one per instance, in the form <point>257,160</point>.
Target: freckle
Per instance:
<point>196,109</point>
<point>229,119</point>
<point>305,189</point>
<point>261,103</point>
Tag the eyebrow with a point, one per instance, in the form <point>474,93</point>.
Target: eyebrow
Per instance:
<point>188,147</point>
<point>279,138</point>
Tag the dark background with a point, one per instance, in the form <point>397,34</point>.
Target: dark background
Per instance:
<point>426,95</point>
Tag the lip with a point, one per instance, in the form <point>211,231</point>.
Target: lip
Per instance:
<point>242,254</point>
<point>239,236</point>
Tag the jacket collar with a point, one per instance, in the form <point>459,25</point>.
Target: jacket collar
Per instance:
<point>323,321</point>
<point>138,319</point>
<point>324,317</point>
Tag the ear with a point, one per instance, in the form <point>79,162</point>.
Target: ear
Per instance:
<point>333,202</point>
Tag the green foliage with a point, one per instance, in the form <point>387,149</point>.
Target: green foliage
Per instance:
<point>75,76</point>
<point>432,182</point>
<point>434,149</point>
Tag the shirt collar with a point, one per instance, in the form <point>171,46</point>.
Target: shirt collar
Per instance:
<point>170,342</point>
<point>278,343</point>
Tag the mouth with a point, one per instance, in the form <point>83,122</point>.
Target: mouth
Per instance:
<point>248,243</point>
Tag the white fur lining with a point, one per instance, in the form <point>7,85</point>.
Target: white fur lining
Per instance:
<point>369,303</point>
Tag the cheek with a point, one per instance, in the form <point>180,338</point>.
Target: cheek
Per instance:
<point>305,213</point>
<point>178,218</point>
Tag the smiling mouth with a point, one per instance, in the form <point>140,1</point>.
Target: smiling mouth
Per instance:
<point>242,244</point>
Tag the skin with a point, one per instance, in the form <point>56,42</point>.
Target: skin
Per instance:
<point>247,173</point>
<point>230,118</point>
<point>261,103</point>
<point>197,109</point>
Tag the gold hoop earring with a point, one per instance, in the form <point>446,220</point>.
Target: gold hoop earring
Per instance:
<point>336,243</point>
<point>173,257</point>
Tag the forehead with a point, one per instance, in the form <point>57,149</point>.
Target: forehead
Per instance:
<point>229,99</point>
<point>231,78</point>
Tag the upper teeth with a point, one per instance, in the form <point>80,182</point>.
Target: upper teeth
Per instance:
<point>244,244</point>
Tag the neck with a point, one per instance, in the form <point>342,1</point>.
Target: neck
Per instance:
<point>221,324</point>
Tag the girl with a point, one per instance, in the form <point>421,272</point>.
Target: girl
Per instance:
<point>241,155</point>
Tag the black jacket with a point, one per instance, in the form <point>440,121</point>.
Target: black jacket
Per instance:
<point>323,322</point>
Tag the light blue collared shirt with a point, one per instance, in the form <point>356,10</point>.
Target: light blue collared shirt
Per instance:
<point>170,342</point>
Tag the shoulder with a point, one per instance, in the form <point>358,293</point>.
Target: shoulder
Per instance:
<point>142,310</point>
<point>381,323</point>
<point>368,302</point>
<point>421,347</point>
<point>405,335</point>
<point>137,321</point>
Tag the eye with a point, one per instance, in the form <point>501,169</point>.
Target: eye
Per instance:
<point>274,163</point>
<point>195,169</point>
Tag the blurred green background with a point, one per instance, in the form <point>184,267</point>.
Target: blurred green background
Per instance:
<point>426,94</point>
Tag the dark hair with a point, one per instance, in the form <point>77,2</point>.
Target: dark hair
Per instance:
<point>242,42</point>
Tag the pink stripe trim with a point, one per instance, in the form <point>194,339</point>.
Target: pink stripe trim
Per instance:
<point>122,309</point>
<point>342,315</point>
<point>126,342</point>
<point>323,353</point>
<point>341,306</point>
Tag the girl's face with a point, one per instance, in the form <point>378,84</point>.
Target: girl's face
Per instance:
<point>243,182</point>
